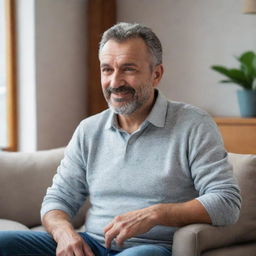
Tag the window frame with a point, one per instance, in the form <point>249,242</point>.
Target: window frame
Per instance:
<point>11,92</point>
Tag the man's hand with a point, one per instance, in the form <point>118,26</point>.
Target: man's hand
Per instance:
<point>141,221</point>
<point>130,224</point>
<point>71,243</point>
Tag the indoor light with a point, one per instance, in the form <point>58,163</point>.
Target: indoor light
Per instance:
<point>249,7</point>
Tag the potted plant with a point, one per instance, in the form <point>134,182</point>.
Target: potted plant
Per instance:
<point>244,76</point>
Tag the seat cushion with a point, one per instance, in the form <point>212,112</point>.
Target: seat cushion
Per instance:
<point>11,225</point>
<point>235,250</point>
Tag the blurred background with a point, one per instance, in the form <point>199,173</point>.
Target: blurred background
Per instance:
<point>56,45</point>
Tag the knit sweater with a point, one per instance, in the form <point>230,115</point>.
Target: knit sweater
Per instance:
<point>176,155</point>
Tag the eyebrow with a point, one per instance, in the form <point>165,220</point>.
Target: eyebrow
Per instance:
<point>128,64</point>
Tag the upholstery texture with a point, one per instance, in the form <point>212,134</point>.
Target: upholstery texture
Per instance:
<point>24,178</point>
<point>199,238</point>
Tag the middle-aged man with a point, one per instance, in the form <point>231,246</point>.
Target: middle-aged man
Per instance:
<point>148,164</point>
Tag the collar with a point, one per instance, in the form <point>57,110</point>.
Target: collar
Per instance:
<point>158,113</point>
<point>156,116</point>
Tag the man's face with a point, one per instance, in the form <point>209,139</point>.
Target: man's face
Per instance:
<point>127,78</point>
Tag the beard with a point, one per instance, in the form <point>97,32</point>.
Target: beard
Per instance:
<point>138,98</point>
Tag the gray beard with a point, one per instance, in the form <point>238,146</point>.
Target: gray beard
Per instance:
<point>126,109</point>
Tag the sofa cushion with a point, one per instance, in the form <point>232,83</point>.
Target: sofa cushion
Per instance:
<point>24,180</point>
<point>11,225</point>
<point>245,172</point>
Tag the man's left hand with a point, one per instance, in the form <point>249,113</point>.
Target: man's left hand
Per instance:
<point>130,224</point>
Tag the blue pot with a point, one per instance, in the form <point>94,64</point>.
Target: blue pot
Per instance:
<point>247,102</point>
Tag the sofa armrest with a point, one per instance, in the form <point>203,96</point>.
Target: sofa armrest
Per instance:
<point>194,239</point>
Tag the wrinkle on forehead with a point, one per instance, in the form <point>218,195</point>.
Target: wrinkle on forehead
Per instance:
<point>132,50</point>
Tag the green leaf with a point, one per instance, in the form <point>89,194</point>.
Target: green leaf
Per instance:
<point>226,81</point>
<point>254,65</point>
<point>247,65</point>
<point>247,58</point>
<point>235,75</point>
<point>245,76</point>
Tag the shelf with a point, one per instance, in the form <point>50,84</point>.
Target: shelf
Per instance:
<point>239,134</point>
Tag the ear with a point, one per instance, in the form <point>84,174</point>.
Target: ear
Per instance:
<point>157,74</point>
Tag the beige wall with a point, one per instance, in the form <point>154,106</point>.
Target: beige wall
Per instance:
<point>195,35</point>
<point>52,58</point>
<point>52,71</point>
<point>61,69</point>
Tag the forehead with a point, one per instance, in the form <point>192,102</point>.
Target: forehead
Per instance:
<point>133,49</point>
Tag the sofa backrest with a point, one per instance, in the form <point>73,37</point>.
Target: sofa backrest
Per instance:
<point>24,178</point>
<point>245,172</point>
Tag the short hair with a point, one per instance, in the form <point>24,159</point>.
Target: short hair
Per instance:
<point>124,31</point>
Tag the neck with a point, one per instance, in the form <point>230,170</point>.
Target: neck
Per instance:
<point>131,123</point>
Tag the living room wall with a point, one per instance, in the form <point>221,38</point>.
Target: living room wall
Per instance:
<point>51,71</point>
<point>52,59</point>
<point>195,35</point>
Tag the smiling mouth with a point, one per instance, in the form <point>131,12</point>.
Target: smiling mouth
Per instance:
<point>121,96</point>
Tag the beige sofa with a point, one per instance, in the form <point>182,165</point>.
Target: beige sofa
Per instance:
<point>24,178</point>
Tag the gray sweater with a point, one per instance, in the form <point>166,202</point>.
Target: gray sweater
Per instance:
<point>176,155</point>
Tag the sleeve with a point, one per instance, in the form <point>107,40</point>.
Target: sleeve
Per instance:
<point>212,174</point>
<point>69,189</point>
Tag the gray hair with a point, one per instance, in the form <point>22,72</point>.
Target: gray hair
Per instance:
<point>124,31</point>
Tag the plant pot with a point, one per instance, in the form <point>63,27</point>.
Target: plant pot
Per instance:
<point>247,102</point>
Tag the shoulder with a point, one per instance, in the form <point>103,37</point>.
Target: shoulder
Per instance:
<point>94,123</point>
<point>100,118</point>
<point>188,116</point>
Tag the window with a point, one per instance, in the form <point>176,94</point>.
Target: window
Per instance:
<point>3,72</point>
<point>8,137</point>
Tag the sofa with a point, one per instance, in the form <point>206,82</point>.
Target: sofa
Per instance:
<point>24,178</point>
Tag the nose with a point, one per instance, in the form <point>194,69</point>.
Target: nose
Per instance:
<point>117,80</point>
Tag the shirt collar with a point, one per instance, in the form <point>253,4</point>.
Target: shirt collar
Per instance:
<point>156,116</point>
<point>158,113</point>
<point>112,120</point>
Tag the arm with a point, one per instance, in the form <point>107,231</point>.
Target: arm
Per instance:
<point>58,224</point>
<point>141,221</point>
<point>63,199</point>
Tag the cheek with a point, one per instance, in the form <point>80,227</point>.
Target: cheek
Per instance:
<point>104,82</point>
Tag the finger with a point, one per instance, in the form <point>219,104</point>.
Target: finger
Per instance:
<point>78,252</point>
<point>108,227</point>
<point>64,253</point>
<point>87,250</point>
<point>109,236</point>
<point>121,237</point>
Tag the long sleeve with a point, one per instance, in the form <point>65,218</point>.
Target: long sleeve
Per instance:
<point>69,189</point>
<point>212,174</point>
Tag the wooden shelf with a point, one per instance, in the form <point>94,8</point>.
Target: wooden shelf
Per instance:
<point>239,134</point>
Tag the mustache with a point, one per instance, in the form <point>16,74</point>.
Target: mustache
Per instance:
<point>123,88</point>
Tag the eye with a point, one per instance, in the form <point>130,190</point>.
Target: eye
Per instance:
<point>106,70</point>
<point>129,69</point>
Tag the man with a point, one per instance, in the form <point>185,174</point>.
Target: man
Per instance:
<point>148,164</point>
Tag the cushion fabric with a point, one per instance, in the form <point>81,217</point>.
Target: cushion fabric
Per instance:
<point>23,183</point>
<point>11,225</point>
<point>197,238</point>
